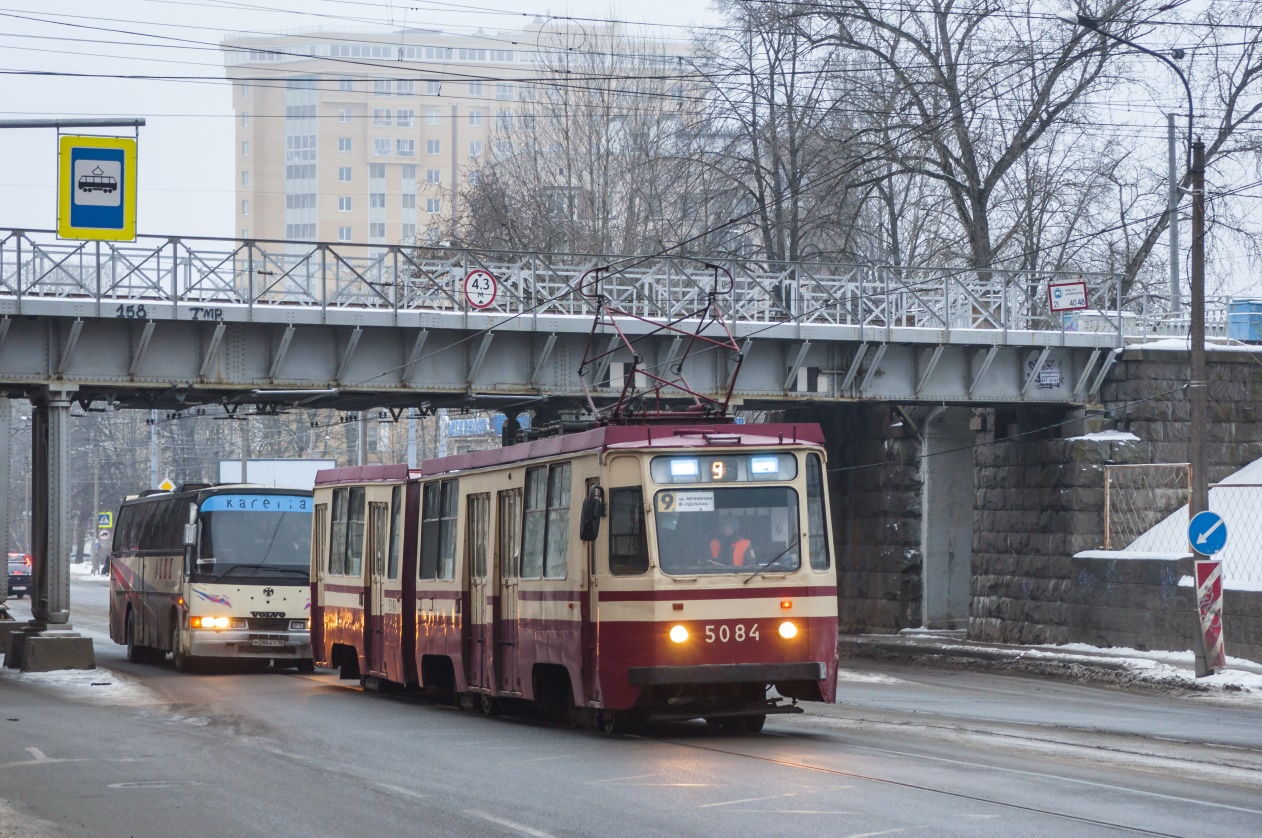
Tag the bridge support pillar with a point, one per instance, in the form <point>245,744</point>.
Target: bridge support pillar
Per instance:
<point>47,643</point>
<point>50,508</point>
<point>6,459</point>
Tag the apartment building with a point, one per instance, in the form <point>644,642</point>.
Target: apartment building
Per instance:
<point>353,136</point>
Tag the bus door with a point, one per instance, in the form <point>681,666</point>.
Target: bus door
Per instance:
<point>374,609</point>
<point>508,560</point>
<point>479,645</point>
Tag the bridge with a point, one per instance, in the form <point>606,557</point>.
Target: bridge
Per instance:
<point>172,322</point>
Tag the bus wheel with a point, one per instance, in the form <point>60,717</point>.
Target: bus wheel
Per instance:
<point>306,665</point>
<point>180,660</point>
<point>135,653</point>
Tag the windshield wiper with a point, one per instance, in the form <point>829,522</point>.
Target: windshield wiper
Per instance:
<point>766,565</point>
<point>257,567</point>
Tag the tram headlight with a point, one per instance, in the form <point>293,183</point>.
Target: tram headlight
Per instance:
<point>678,634</point>
<point>788,631</point>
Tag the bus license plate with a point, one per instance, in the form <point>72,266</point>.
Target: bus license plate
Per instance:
<point>268,642</point>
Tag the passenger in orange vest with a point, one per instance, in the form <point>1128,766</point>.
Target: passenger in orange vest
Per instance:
<point>730,547</point>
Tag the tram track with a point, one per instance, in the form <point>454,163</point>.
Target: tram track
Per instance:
<point>1080,819</point>
<point>1083,820</point>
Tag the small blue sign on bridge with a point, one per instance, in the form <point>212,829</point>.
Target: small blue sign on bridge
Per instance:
<point>1207,533</point>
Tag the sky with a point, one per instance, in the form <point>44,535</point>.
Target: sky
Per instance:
<point>186,146</point>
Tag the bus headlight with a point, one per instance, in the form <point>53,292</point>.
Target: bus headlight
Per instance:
<point>678,634</point>
<point>788,631</point>
<point>299,625</point>
<point>209,622</point>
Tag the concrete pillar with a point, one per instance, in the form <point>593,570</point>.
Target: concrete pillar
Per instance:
<point>6,460</point>
<point>949,492</point>
<point>50,513</point>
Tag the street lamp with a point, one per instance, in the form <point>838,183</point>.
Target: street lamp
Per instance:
<point>1199,499</point>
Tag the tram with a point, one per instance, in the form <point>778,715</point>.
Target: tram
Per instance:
<point>616,574</point>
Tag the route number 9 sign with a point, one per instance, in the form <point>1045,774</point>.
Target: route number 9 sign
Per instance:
<point>480,288</point>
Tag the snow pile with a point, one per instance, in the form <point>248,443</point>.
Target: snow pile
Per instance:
<point>93,686</point>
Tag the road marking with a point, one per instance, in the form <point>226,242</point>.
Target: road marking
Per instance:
<point>516,827</point>
<point>746,800</point>
<point>401,790</point>
<point>39,755</point>
<point>152,784</point>
<point>545,759</point>
<point>620,779</point>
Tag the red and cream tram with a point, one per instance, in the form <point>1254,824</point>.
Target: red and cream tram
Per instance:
<point>632,572</point>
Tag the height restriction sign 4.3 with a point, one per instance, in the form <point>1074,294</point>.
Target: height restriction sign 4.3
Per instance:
<point>480,288</point>
<point>96,188</point>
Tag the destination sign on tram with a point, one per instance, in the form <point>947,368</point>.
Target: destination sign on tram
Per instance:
<point>723,468</point>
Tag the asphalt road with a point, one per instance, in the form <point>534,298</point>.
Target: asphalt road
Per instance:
<point>138,750</point>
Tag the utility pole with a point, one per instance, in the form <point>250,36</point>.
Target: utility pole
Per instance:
<point>1172,147</point>
<point>153,449</point>
<point>245,449</point>
<point>96,506</point>
<point>412,438</point>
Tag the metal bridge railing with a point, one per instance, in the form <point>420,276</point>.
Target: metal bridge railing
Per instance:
<point>33,264</point>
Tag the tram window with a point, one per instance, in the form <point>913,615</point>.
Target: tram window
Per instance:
<point>438,530</point>
<point>479,513</point>
<point>627,553</point>
<point>379,519</point>
<point>396,532</point>
<point>558,536</point>
<point>816,525</point>
<point>447,530</point>
<point>534,523</point>
<point>337,540</point>
<point>319,537</point>
<point>355,533</point>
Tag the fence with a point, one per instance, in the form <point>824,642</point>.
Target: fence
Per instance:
<point>1136,500</point>
<point>1146,511</point>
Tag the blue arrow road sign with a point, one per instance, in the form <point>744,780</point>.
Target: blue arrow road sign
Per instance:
<point>1207,533</point>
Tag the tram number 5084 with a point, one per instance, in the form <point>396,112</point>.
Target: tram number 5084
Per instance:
<point>726,634</point>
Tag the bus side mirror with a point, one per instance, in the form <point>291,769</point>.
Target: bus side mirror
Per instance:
<point>190,529</point>
<point>593,511</point>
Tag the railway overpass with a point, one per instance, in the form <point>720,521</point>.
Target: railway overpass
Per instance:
<point>171,322</point>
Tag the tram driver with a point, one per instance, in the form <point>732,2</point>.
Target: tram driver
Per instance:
<point>730,546</point>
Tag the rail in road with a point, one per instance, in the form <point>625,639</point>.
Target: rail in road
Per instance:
<point>243,311</point>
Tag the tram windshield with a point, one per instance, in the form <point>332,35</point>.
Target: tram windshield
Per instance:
<point>250,536</point>
<point>728,530</point>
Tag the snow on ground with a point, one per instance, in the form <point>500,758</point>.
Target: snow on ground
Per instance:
<point>1130,554</point>
<point>1107,436</point>
<point>93,686</point>
<point>849,676</point>
<point>1185,343</point>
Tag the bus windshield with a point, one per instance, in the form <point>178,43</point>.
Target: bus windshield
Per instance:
<point>728,530</point>
<point>255,535</point>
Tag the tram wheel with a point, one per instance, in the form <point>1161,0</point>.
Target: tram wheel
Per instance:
<point>489,705</point>
<point>614,722</point>
<point>753,724</point>
<point>306,665</point>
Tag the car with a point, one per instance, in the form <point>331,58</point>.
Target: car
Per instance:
<point>19,575</point>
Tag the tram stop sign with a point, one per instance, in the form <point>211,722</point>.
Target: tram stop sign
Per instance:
<point>1207,533</point>
<point>96,188</point>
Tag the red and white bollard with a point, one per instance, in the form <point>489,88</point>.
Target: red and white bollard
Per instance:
<point>1209,600</point>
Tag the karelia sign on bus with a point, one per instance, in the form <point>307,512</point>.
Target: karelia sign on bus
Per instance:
<point>617,574</point>
<point>218,572</point>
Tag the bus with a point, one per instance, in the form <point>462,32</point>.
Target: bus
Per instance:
<point>207,572</point>
<point>610,576</point>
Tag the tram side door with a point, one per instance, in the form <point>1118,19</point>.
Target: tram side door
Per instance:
<point>374,619</point>
<point>508,560</point>
<point>479,628</point>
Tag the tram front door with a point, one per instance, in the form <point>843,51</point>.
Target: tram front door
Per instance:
<point>479,629</point>
<point>508,561</point>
